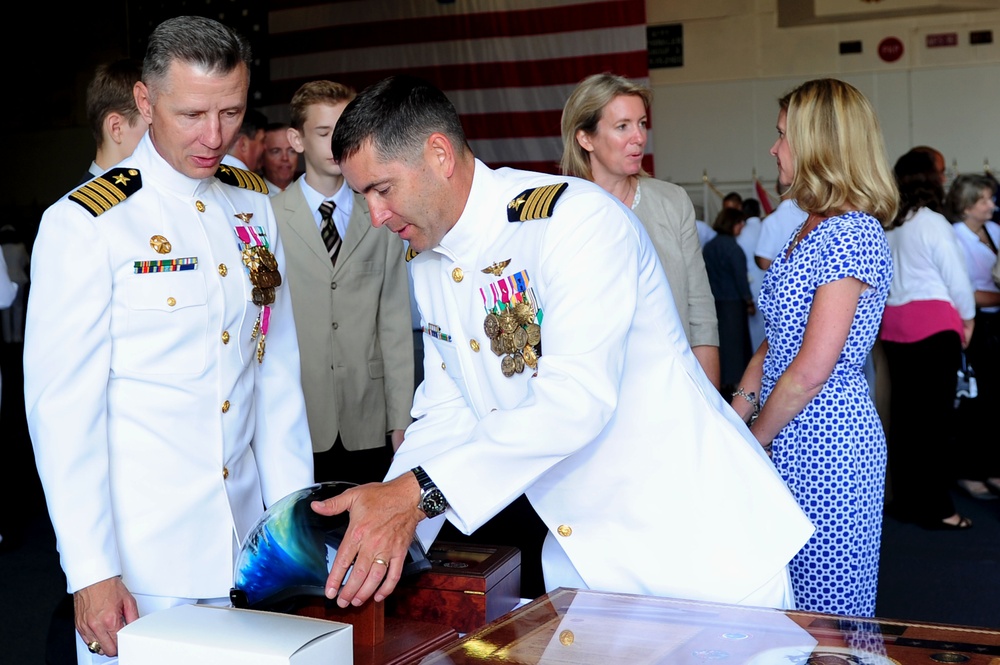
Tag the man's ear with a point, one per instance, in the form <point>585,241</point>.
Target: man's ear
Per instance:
<point>296,140</point>
<point>441,153</point>
<point>114,123</point>
<point>240,144</point>
<point>143,101</point>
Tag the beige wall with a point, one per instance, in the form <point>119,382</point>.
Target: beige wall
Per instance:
<point>716,114</point>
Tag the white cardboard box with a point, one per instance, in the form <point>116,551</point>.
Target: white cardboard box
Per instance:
<point>229,636</point>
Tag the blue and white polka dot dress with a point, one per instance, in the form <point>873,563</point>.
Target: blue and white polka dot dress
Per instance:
<point>833,454</point>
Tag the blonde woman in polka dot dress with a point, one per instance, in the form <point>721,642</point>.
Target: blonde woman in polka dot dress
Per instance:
<point>822,301</point>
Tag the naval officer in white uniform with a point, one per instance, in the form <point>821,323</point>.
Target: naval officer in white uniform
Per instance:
<point>161,362</point>
<point>555,366</point>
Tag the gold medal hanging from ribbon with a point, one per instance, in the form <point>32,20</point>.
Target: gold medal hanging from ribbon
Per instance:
<point>512,323</point>
<point>262,268</point>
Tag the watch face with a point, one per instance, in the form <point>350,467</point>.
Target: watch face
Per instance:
<point>433,503</point>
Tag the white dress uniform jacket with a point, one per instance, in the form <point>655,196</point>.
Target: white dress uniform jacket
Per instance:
<point>649,480</point>
<point>159,438</point>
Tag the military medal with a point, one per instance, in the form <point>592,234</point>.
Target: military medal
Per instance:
<point>512,320</point>
<point>529,357</point>
<point>518,362</point>
<point>262,268</point>
<point>520,338</point>
<point>491,325</point>
<point>534,332</point>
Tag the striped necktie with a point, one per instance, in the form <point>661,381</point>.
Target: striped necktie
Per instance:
<point>328,230</point>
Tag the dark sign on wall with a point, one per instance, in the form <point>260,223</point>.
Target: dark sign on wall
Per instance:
<point>665,45</point>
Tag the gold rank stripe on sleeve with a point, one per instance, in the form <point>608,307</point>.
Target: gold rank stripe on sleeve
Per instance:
<point>108,190</point>
<point>241,178</point>
<point>536,203</point>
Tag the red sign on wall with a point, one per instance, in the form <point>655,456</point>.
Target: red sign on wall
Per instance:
<point>942,39</point>
<point>890,49</point>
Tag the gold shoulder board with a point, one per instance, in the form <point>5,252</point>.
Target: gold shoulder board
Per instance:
<point>410,254</point>
<point>536,203</point>
<point>241,178</point>
<point>108,190</point>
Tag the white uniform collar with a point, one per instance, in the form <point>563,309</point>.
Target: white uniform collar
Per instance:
<point>471,229</point>
<point>155,170</point>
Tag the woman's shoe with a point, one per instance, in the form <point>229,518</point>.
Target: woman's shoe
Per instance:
<point>946,525</point>
<point>977,489</point>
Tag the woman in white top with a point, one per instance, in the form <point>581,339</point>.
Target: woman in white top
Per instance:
<point>970,205</point>
<point>928,320</point>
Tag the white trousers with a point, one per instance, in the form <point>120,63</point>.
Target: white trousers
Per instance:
<point>559,571</point>
<point>147,605</point>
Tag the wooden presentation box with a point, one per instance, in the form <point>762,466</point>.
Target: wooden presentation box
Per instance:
<point>467,586</point>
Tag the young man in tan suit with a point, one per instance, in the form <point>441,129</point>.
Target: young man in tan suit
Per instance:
<point>350,296</point>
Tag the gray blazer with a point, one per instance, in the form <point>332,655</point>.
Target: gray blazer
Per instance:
<point>353,324</point>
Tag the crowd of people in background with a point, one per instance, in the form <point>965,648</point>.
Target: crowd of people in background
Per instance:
<point>770,324</point>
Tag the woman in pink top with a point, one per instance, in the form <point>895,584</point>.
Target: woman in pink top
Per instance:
<point>928,320</point>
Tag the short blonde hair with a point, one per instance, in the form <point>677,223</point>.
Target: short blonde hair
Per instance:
<point>584,109</point>
<point>840,158</point>
<point>317,92</point>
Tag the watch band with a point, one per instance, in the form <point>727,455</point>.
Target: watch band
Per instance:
<point>425,481</point>
<point>432,501</point>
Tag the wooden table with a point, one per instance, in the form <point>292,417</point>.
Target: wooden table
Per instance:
<point>575,627</point>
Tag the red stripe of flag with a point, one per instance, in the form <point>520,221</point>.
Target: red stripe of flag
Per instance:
<point>557,71</point>
<point>525,22</point>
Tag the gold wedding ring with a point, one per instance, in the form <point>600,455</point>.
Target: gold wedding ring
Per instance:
<point>384,563</point>
<point>94,647</point>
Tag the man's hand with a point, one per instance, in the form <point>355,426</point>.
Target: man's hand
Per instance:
<point>397,438</point>
<point>101,610</point>
<point>383,518</point>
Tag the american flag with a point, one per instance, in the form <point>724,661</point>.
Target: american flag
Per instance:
<point>508,66</point>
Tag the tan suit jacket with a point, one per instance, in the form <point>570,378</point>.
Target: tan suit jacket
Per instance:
<point>353,324</point>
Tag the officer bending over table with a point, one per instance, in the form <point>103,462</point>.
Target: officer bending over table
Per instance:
<point>555,366</point>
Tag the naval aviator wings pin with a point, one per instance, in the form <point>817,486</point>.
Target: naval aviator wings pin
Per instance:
<point>497,268</point>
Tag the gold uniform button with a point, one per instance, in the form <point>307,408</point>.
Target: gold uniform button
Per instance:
<point>171,301</point>
<point>566,638</point>
<point>474,344</point>
<point>225,337</point>
<point>225,472</point>
<point>564,531</point>
<point>223,270</point>
<point>200,206</point>
<point>225,408</point>
<point>457,274</point>
<point>443,366</point>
